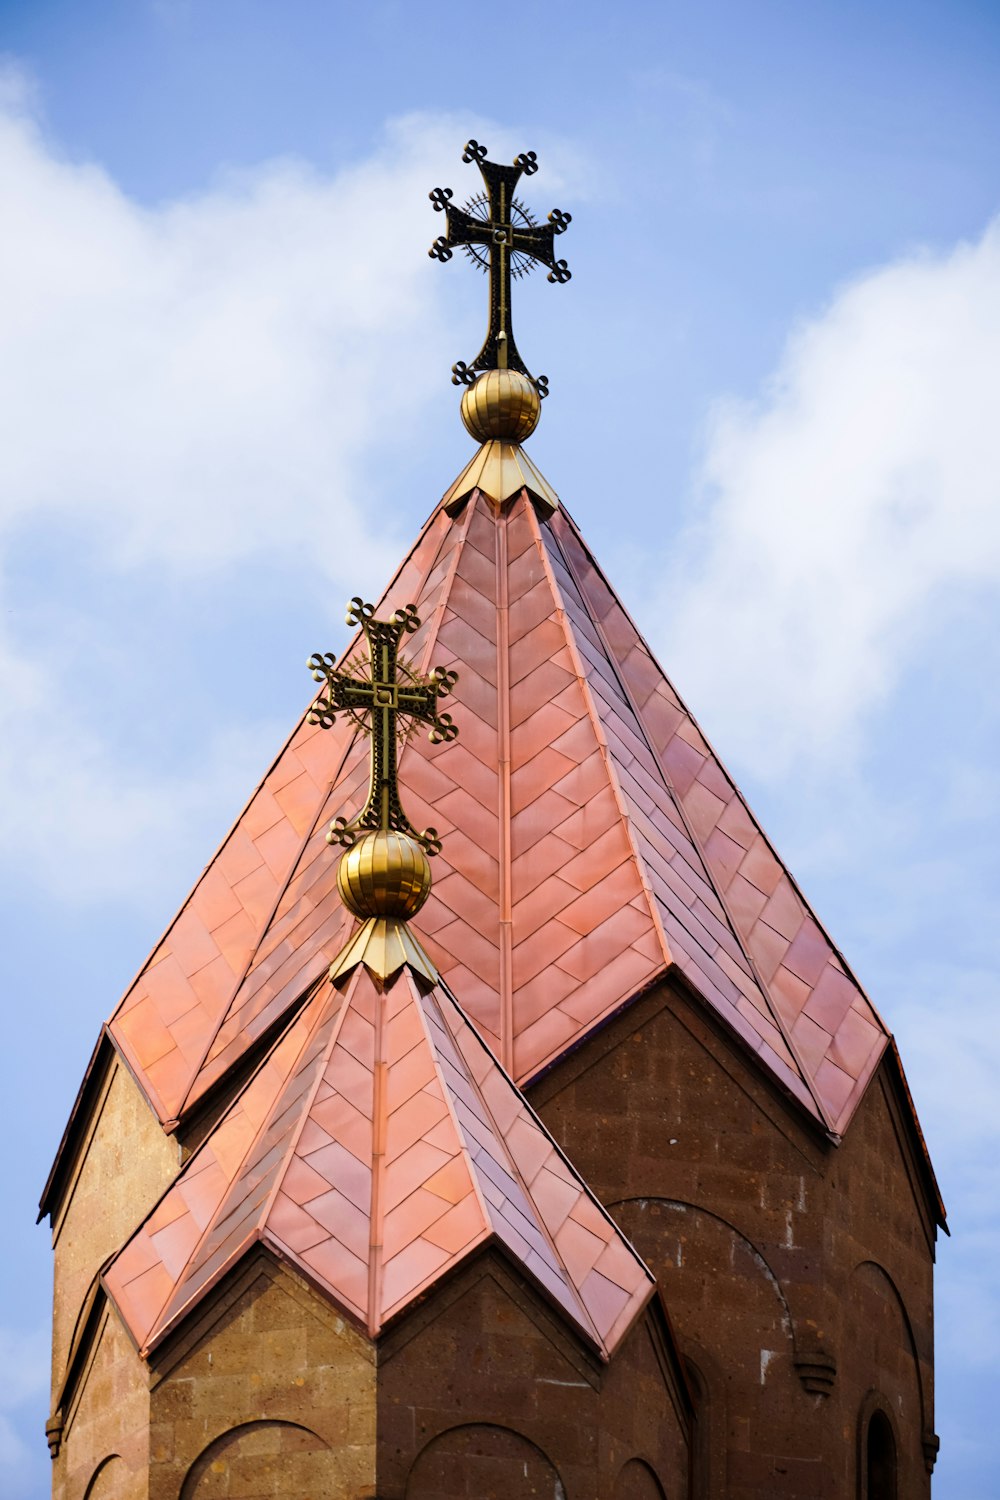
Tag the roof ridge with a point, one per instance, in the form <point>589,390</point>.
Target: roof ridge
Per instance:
<point>540,1125</point>
<point>447,584</point>
<point>261,1218</point>
<point>696,842</point>
<point>417,999</point>
<point>682,704</point>
<point>306,1111</point>
<point>187,1169</point>
<point>294,867</point>
<point>518,1175</point>
<point>152,1091</point>
<point>266,924</point>
<point>600,735</point>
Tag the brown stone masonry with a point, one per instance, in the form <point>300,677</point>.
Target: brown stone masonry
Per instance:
<point>797,1272</point>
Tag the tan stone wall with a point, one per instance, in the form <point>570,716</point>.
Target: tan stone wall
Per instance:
<point>271,1392</point>
<point>105,1449</point>
<point>125,1164</point>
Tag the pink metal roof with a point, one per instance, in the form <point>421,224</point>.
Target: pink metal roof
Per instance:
<point>378,1146</point>
<point>592,840</point>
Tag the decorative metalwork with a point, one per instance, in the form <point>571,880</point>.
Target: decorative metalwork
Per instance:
<point>386,700</point>
<point>501,236</point>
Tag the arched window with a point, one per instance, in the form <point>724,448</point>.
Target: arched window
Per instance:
<point>880,1459</point>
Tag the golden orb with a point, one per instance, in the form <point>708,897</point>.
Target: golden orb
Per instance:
<point>501,404</point>
<point>385,874</point>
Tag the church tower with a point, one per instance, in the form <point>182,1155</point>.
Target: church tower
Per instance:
<point>495,1118</point>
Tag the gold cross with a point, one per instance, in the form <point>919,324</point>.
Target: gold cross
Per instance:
<point>512,242</point>
<point>377,702</point>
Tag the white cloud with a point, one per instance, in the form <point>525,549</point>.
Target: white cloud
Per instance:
<point>187,388</point>
<point>89,826</point>
<point>853,504</point>
<point>197,382</point>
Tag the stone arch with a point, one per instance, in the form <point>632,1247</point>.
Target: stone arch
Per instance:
<point>637,1481</point>
<point>88,1320</point>
<point>743,1255</point>
<point>750,1248</point>
<point>483,1461</point>
<point>876,1411</point>
<point>260,1458</point>
<point>878,1279</point>
<point>107,1479</point>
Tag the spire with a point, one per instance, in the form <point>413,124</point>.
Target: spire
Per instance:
<point>593,841</point>
<point>384,875</point>
<point>501,404</point>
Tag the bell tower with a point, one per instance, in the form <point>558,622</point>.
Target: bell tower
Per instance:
<point>495,1118</point>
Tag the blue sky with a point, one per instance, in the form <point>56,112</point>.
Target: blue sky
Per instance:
<point>225,402</point>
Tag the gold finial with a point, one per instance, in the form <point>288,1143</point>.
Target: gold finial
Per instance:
<point>500,234</point>
<point>502,404</point>
<point>384,876</point>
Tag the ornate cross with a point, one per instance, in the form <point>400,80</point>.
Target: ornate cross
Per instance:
<point>500,234</point>
<point>389,693</point>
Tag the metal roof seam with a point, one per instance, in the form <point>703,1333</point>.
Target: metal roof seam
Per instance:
<point>154,1334</point>
<point>578,535</point>
<point>505,912</point>
<point>306,1107</point>
<point>537,1120</point>
<point>585,1317</point>
<point>430,645</point>
<point>418,999</point>
<point>568,1278</point>
<point>376,1236</point>
<point>696,845</point>
<point>192,1096</point>
<point>600,735</point>
<point>159,1333</point>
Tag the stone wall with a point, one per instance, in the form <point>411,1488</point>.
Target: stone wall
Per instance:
<point>797,1273</point>
<point>268,1391</point>
<point>485,1394</point>
<point>123,1165</point>
<point>104,1454</point>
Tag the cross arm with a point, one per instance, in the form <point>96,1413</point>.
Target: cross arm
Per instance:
<point>512,242</point>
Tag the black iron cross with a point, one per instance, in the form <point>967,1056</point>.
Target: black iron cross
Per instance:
<point>512,243</point>
<point>391,693</point>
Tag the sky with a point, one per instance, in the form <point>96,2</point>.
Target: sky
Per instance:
<point>225,407</point>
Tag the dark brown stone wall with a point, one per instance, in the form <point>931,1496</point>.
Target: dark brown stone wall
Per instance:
<point>797,1272</point>
<point>483,1394</point>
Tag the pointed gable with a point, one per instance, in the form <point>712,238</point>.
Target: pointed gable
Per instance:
<point>378,1146</point>
<point>592,841</point>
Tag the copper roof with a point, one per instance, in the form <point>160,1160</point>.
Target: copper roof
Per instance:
<point>592,841</point>
<point>377,1146</point>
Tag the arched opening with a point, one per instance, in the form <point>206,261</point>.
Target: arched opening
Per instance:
<point>259,1458</point>
<point>880,1459</point>
<point>481,1461</point>
<point>638,1482</point>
